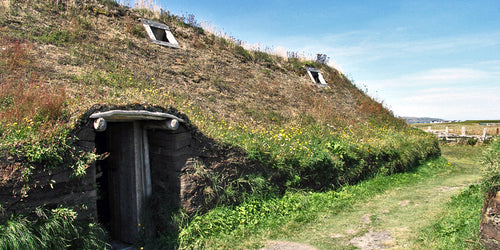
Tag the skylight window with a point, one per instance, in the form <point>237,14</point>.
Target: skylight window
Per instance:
<point>316,76</point>
<point>160,34</point>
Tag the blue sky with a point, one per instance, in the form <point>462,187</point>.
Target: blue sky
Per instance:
<point>436,58</point>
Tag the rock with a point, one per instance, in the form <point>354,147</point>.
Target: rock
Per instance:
<point>286,245</point>
<point>351,231</point>
<point>404,203</point>
<point>335,236</point>
<point>373,240</point>
<point>366,219</point>
<point>490,222</point>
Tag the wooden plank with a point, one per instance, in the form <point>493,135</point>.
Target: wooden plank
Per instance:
<point>169,141</point>
<point>121,188</point>
<point>132,115</point>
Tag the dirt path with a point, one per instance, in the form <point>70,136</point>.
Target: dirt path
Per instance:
<point>393,219</point>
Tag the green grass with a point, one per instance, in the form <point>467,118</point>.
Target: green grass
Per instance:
<point>482,121</point>
<point>309,157</point>
<point>320,157</point>
<point>491,168</point>
<point>242,53</point>
<point>248,224</point>
<point>458,226</point>
<point>54,229</point>
<point>302,216</point>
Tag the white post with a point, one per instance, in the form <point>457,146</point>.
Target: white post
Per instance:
<point>463,131</point>
<point>484,133</point>
<point>100,125</point>
<point>429,129</point>
<point>447,131</point>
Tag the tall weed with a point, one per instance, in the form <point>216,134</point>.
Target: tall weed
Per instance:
<point>33,119</point>
<point>54,229</point>
<point>490,161</point>
<point>25,99</point>
<point>320,157</point>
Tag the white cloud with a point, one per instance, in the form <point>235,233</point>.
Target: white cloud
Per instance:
<point>440,77</point>
<point>372,45</point>
<point>447,95</point>
<point>463,89</point>
<point>280,51</point>
<point>452,75</point>
<point>361,47</point>
<point>450,103</point>
<point>450,93</point>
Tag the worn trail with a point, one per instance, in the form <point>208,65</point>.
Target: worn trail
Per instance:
<point>392,219</point>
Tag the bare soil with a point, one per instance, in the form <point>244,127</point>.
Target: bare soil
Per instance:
<point>286,245</point>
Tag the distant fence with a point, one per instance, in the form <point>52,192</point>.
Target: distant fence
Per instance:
<point>450,137</point>
<point>489,124</point>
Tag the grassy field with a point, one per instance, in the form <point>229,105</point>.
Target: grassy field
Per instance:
<point>471,127</point>
<point>436,205</point>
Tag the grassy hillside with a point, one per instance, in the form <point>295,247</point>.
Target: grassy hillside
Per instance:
<point>58,58</point>
<point>97,52</point>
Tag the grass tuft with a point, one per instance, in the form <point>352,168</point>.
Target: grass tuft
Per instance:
<point>50,229</point>
<point>458,228</point>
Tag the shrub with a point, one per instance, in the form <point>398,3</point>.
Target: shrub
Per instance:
<point>316,156</point>
<point>262,57</point>
<point>322,59</point>
<point>23,94</point>
<point>242,53</point>
<point>490,161</point>
<point>31,111</point>
<point>472,141</point>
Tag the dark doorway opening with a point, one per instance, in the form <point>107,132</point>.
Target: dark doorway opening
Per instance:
<point>160,34</point>
<point>315,77</point>
<point>102,175</point>
<point>119,199</point>
<point>146,152</point>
